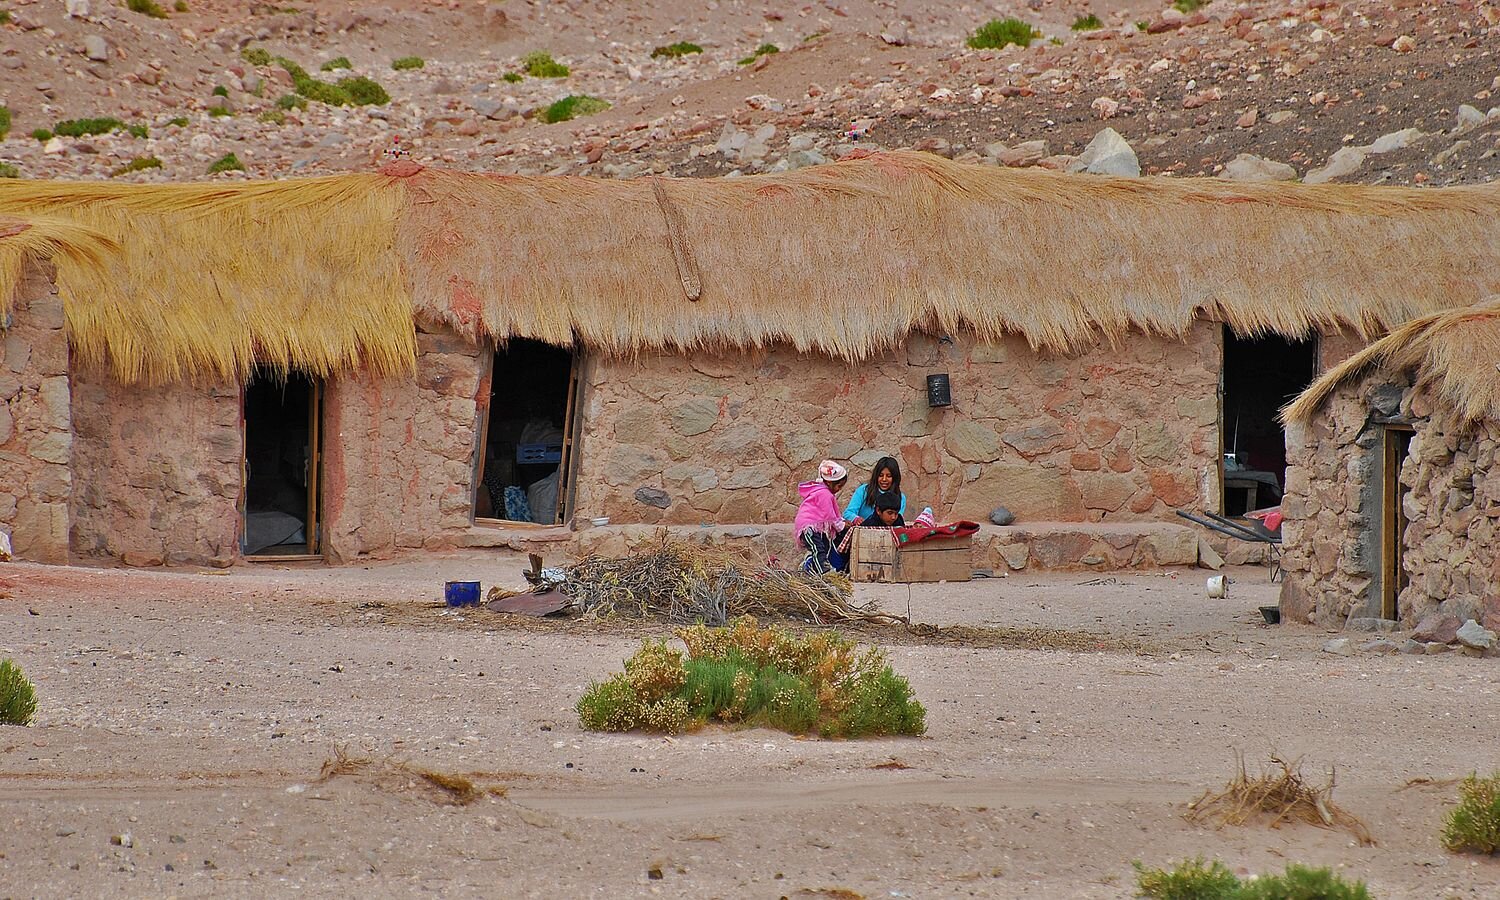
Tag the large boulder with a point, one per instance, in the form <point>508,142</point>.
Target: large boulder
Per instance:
<point>1108,154</point>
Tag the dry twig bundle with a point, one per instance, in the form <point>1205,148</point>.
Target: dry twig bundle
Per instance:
<point>682,583</point>
<point>395,776</point>
<point>1279,793</point>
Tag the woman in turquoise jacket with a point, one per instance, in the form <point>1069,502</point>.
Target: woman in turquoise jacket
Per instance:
<point>886,476</point>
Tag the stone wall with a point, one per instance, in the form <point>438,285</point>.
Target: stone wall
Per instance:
<point>399,454</point>
<point>1452,505</point>
<point>157,471</point>
<point>35,422</point>
<point>1115,433</point>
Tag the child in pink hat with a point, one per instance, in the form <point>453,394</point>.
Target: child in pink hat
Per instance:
<point>818,521</point>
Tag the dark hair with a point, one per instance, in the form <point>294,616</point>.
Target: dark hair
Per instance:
<point>885,462</point>
<point>887,500</point>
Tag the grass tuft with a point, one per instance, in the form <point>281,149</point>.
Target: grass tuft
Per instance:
<point>85,127</point>
<point>338,62</point>
<point>1089,22</point>
<point>256,56</point>
<point>676,51</point>
<point>139,164</point>
<point>1474,824</point>
<point>762,50</point>
<point>364,91</point>
<point>1188,6</point>
<point>9,171</point>
<point>746,675</point>
<point>220,112</point>
<point>226,163</point>
<point>179,121</point>
<point>291,101</point>
<point>17,695</point>
<point>408,62</point>
<point>998,33</point>
<point>146,7</point>
<point>220,91</point>
<point>1196,880</point>
<point>42,134</point>
<point>513,77</point>
<point>4,121</point>
<point>571,107</point>
<point>1277,795</point>
<point>180,6</point>
<point>540,64</point>
<point>272,117</point>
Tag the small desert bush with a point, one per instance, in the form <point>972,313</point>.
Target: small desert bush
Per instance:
<point>1089,22</point>
<point>291,101</point>
<point>338,62</point>
<point>85,127</point>
<point>4,122</point>
<point>139,164</point>
<point>1474,824</point>
<point>364,91</point>
<point>762,50</point>
<point>1188,6</point>
<point>272,117</point>
<point>746,675</point>
<point>226,163</point>
<point>180,6</point>
<point>997,33</point>
<point>572,107</point>
<point>256,56</point>
<point>1196,880</point>
<point>146,7</point>
<point>42,134</point>
<point>512,77</point>
<point>179,121</point>
<point>540,64</point>
<point>17,696</point>
<point>220,91</point>
<point>138,131</point>
<point>4,16</point>
<point>220,112</point>
<point>9,171</point>
<point>676,51</point>
<point>408,62</point>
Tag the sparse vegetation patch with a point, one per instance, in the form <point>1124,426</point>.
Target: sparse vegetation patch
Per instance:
<point>1188,6</point>
<point>762,50</point>
<point>338,62</point>
<point>139,164</point>
<point>41,134</point>
<point>513,77</point>
<point>256,56</point>
<point>540,64</point>
<point>146,7</point>
<point>572,107</point>
<point>291,101</point>
<point>1474,824</point>
<point>1278,795</point>
<point>676,51</point>
<point>408,62</point>
<point>86,127</point>
<point>998,33</point>
<point>17,694</point>
<point>1089,22</point>
<point>9,171</point>
<point>226,163</point>
<point>1196,880</point>
<point>4,122</point>
<point>364,91</point>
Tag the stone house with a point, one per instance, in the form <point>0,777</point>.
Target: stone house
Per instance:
<point>355,365</point>
<point>1393,492</point>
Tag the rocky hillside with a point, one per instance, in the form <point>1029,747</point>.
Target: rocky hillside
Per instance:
<point>148,90</point>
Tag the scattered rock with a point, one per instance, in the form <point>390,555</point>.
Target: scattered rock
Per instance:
<point>1345,161</point>
<point>96,48</point>
<point>1414,648</point>
<point>1396,140</point>
<point>897,34</point>
<point>1108,154</point>
<point>1002,516</point>
<point>1249,167</point>
<point>1468,118</point>
<point>653,497</point>
<point>122,840</point>
<point>1368,624</point>
<point>1105,107</point>
<point>1281,116</point>
<point>1247,118</point>
<point>76,9</point>
<point>1437,628</point>
<point>1380,645</point>
<point>1404,44</point>
<point>1339,647</point>
<point>1475,636</point>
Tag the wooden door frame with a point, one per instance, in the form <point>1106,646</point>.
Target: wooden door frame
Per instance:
<point>567,467</point>
<point>1392,517</point>
<point>313,524</point>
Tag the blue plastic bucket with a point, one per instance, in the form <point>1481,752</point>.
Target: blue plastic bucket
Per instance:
<point>461,593</point>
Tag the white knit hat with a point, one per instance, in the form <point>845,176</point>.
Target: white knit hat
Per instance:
<point>828,470</point>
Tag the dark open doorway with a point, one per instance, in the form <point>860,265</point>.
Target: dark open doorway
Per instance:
<point>527,436</point>
<point>280,510</point>
<point>1396,444</point>
<point>1261,374</point>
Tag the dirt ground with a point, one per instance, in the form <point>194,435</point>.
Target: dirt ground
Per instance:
<point>192,712</point>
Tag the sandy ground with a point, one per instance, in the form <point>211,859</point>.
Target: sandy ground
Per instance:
<point>193,712</point>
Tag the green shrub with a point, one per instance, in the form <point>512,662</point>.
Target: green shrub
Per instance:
<point>220,91</point>
<point>321,91</point>
<point>4,16</point>
<point>256,56</point>
<point>1188,6</point>
<point>17,696</point>
<point>540,64</point>
<point>290,101</point>
<point>180,6</point>
<point>1142,25</point>
<point>139,164</point>
<point>226,163</point>
<point>762,50</point>
<point>997,33</point>
<point>42,134</point>
<point>676,51</point>
<point>1474,824</point>
<point>138,131</point>
<point>571,107</point>
<point>513,77</point>
<point>363,91</point>
<point>4,122</point>
<point>1196,880</point>
<point>408,62</point>
<point>746,675</point>
<point>220,112</point>
<point>147,7</point>
<point>1089,22</point>
<point>179,121</point>
<point>85,127</point>
<point>9,171</point>
<point>338,62</point>
<point>272,117</point>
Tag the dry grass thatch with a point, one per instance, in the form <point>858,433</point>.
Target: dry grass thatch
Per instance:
<point>844,259</point>
<point>396,776</point>
<point>214,279</point>
<point>24,241</point>
<point>1277,795</point>
<point>1457,353</point>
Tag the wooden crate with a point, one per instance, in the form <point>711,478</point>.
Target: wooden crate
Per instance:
<point>875,556</point>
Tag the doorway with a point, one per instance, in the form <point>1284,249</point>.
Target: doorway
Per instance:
<point>1396,444</point>
<point>528,435</point>
<point>282,425</point>
<point>1261,375</point>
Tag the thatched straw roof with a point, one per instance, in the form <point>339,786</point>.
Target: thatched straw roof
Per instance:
<point>844,259</point>
<point>1457,353</point>
<point>29,239</point>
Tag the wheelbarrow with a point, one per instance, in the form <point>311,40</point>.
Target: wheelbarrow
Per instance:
<point>1255,531</point>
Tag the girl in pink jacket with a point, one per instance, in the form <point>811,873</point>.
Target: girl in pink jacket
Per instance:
<point>819,522</point>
